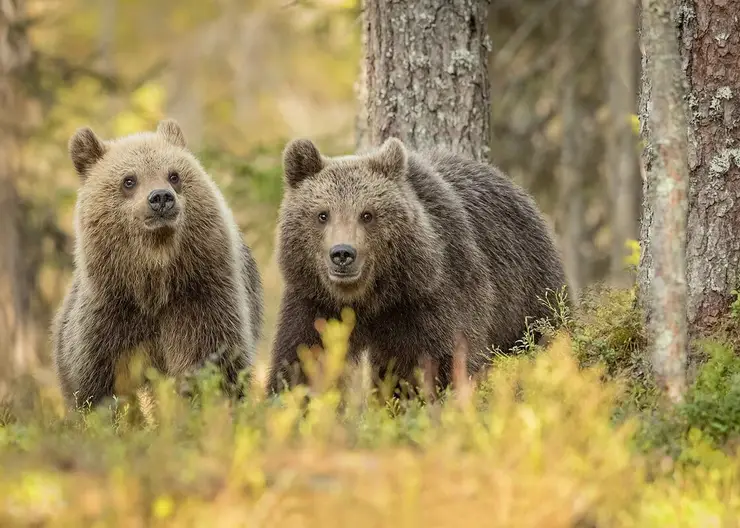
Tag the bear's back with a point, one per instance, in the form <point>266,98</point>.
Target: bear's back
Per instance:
<point>509,230</point>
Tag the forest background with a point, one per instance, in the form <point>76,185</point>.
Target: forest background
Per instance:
<point>606,427</point>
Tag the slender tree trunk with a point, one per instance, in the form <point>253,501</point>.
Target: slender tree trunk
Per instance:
<point>15,55</point>
<point>663,269</point>
<point>248,65</point>
<point>620,52</point>
<point>710,40</point>
<point>571,204</point>
<point>426,73</point>
<point>107,44</point>
<point>184,100</point>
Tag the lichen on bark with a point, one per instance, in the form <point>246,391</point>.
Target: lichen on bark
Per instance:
<point>664,132</point>
<point>710,43</point>
<point>425,74</point>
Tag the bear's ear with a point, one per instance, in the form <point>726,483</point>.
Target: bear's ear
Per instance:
<point>391,159</point>
<point>170,130</point>
<point>301,160</point>
<point>85,149</point>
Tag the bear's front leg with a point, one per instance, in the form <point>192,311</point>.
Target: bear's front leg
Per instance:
<point>194,333</point>
<point>295,327</point>
<point>90,344</point>
<point>89,373</point>
<point>406,341</point>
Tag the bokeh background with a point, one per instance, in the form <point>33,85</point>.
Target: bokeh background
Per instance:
<point>577,434</point>
<point>243,77</point>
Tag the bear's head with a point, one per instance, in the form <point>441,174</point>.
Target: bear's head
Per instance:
<point>351,228</point>
<point>139,195</point>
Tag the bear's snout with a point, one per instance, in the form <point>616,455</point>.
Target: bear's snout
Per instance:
<point>342,255</point>
<point>161,201</point>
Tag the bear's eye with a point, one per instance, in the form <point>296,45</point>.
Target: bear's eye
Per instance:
<point>174,178</point>
<point>323,217</point>
<point>129,182</point>
<point>366,217</point>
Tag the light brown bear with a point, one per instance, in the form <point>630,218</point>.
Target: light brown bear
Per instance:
<point>160,266</point>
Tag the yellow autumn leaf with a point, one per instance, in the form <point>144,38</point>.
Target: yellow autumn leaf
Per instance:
<point>633,259</point>
<point>163,507</point>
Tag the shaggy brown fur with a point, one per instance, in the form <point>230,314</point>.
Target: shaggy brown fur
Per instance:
<point>442,245</point>
<point>178,282</point>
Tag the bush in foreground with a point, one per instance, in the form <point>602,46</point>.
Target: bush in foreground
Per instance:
<point>573,435</point>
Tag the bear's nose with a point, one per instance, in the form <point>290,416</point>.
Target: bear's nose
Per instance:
<point>161,200</point>
<point>342,254</point>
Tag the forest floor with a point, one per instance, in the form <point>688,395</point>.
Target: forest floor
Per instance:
<point>571,435</point>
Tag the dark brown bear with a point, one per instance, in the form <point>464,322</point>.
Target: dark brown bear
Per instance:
<point>160,266</point>
<point>421,245</point>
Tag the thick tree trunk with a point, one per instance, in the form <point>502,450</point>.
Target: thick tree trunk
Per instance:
<point>620,53</point>
<point>710,41</point>
<point>663,271</point>
<point>14,300</point>
<point>710,46</point>
<point>426,73</point>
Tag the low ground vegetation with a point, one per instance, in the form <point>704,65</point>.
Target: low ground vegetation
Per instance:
<point>574,434</point>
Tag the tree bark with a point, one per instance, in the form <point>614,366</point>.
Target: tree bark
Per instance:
<point>622,170</point>
<point>710,46</point>
<point>361,120</point>
<point>426,74</point>
<point>663,232</point>
<point>15,56</point>
<point>710,41</point>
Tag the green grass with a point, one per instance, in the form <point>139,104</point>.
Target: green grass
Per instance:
<point>572,435</point>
